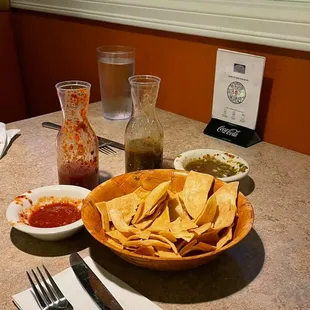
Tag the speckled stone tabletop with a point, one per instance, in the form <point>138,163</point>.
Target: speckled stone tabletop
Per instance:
<point>269,269</point>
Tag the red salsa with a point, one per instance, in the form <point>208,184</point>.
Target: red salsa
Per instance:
<point>84,175</point>
<point>54,215</point>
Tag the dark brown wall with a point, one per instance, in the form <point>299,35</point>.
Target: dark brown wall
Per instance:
<point>12,100</point>
<point>54,48</point>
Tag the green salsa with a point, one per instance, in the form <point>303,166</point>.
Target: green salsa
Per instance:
<point>209,164</point>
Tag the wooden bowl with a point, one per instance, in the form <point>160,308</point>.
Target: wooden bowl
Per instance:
<point>149,179</point>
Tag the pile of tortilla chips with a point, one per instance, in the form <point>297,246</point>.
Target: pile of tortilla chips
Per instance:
<point>170,225</point>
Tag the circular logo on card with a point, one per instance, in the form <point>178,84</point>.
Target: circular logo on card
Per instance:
<point>236,92</point>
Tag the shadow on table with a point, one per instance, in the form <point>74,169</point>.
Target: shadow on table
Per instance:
<point>168,163</point>
<point>228,273</point>
<point>33,246</point>
<point>104,176</point>
<point>246,185</point>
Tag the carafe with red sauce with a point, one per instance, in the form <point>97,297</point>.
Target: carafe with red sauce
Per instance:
<point>77,144</point>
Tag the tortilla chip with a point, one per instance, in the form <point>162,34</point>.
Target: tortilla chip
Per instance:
<point>178,232</point>
<point>181,224</point>
<point>138,213</point>
<point>140,235</point>
<point>171,194</point>
<point>201,229</point>
<point>208,212</point>
<point>180,244</point>
<point>176,209</point>
<point>165,253</point>
<point>127,204</point>
<point>141,192</point>
<point>117,236</point>
<point>229,191</point>
<point>187,224</point>
<point>167,234</point>
<point>209,237</point>
<point>133,237</point>
<point>154,196</point>
<point>118,220</point>
<point>144,234</point>
<point>149,242</point>
<point>145,250</point>
<point>196,189</point>
<point>162,222</point>
<point>225,215</point>
<point>185,235</point>
<point>226,236</point>
<point>163,239</point>
<point>159,204</point>
<point>146,222</point>
<point>187,248</point>
<point>175,226</point>
<point>181,196</point>
<point>220,207</point>
<point>133,229</point>
<point>114,243</point>
<point>201,247</point>
<point>102,208</point>
<point>204,247</point>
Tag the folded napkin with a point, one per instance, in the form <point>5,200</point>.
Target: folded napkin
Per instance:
<point>5,137</point>
<point>70,286</point>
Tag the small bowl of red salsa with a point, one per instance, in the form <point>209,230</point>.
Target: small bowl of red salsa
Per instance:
<point>48,213</point>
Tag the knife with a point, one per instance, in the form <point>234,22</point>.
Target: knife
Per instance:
<point>93,286</point>
<point>101,140</point>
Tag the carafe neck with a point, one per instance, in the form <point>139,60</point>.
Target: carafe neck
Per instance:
<point>74,99</point>
<point>77,113</point>
<point>144,92</point>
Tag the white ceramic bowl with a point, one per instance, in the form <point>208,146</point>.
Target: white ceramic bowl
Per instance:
<point>183,159</point>
<point>49,234</point>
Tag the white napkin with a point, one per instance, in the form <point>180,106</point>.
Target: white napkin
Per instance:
<point>5,137</point>
<point>70,286</point>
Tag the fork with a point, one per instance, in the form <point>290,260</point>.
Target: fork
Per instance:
<point>105,149</point>
<point>50,297</point>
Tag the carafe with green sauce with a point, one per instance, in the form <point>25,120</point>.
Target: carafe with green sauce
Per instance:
<point>144,133</point>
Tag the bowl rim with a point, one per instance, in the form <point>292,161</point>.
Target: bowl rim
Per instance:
<point>178,162</point>
<point>48,231</point>
<point>122,252</point>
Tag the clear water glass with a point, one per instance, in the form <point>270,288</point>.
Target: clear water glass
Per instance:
<point>115,65</point>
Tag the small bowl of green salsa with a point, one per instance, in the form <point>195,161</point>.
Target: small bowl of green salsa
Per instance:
<point>222,165</point>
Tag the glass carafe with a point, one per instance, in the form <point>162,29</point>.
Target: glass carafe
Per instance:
<point>77,144</point>
<point>144,134</point>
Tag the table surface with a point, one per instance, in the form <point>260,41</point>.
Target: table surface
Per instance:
<point>269,269</point>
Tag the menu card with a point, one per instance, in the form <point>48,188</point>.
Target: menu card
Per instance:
<point>237,87</point>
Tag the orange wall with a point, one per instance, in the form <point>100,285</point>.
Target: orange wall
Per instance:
<point>12,102</point>
<point>54,48</point>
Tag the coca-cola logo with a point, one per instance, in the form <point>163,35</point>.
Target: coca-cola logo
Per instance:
<point>229,132</point>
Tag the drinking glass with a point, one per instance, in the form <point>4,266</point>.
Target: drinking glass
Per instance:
<point>116,64</point>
